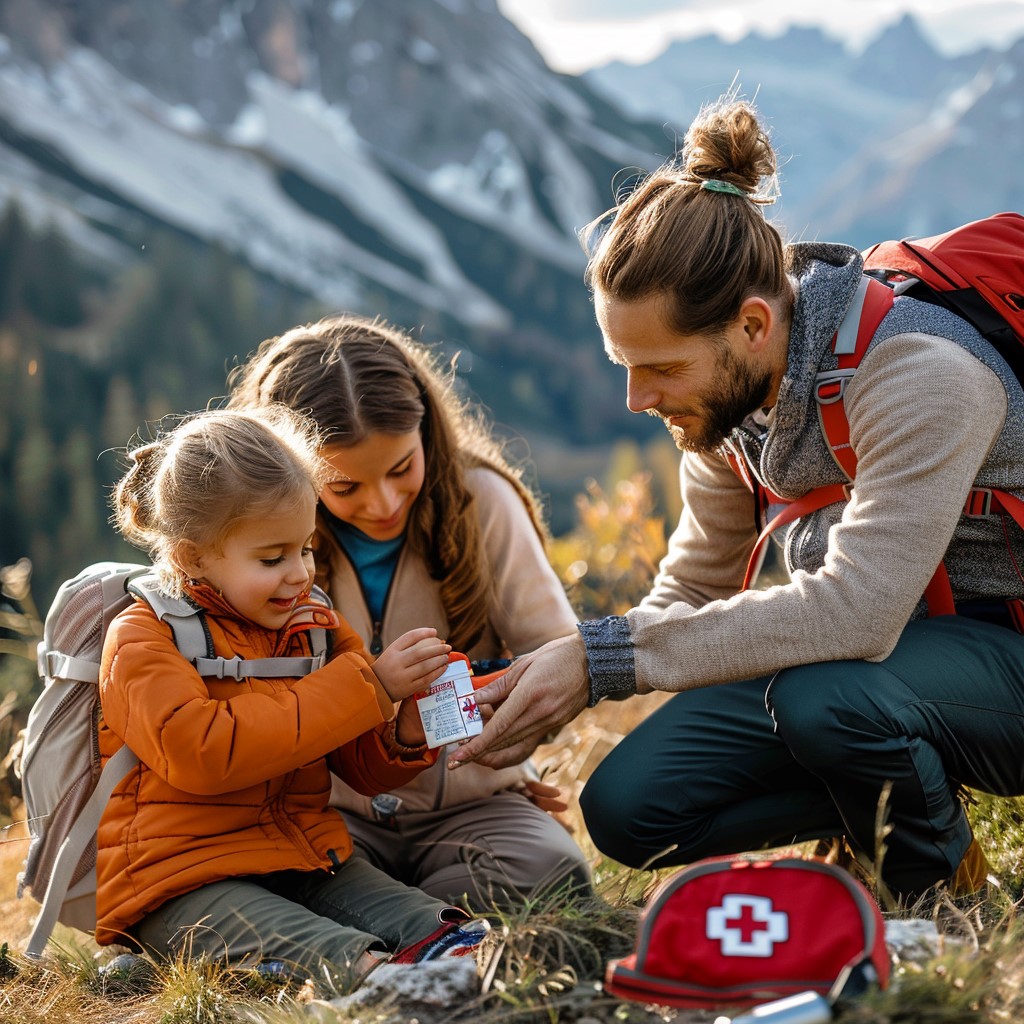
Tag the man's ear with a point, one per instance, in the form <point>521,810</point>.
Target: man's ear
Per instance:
<point>188,557</point>
<point>757,319</point>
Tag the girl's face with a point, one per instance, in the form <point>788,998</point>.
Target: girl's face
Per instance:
<point>375,483</point>
<point>264,565</point>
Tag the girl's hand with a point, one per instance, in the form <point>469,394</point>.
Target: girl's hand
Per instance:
<point>412,662</point>
<point>409,726</point>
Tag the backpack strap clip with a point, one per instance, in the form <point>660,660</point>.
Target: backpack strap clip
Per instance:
<point>830,385</point>
<point>263,668</point>
<point>979,503</point>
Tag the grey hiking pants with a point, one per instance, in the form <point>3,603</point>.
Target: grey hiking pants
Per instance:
<point>315,921</point>
<point>495,851</point>
<point>807,753</point>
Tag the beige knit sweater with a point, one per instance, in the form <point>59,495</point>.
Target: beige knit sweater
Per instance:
<point>907,406</point>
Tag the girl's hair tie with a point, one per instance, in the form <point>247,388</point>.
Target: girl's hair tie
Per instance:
<point>715,185</point>
<point>145,451</point>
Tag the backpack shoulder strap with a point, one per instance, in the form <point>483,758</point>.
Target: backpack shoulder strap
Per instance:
<point>81,833</point>
<point>184,618</point>
<point>867,310</point>
<point>871,302</point>
<point>192,638</point>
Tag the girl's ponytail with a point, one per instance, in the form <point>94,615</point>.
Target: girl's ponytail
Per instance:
<point>133,503</point>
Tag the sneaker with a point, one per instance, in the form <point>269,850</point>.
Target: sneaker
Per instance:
<point>128,975</point>
<point>450,940</point>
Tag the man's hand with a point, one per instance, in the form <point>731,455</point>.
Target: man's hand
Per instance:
<point>540,692</point>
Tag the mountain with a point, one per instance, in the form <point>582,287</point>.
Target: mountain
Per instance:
<point>340,146</point>
<point>201,174</point>
<point>408,157</point>
<point>872,144</point>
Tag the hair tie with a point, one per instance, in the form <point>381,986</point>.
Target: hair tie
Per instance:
<point>716,185</point>
<point>145,451</point>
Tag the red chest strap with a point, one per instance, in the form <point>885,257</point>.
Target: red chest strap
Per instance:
<point>869,306</point>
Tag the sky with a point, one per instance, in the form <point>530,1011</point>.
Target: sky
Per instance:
<point>574,35</point>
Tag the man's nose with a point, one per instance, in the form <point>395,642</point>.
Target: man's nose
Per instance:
<point>640,396</point>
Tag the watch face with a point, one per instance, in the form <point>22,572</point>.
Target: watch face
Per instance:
<point>385,806</point>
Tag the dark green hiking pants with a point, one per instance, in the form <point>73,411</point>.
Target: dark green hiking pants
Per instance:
<point>807,753</point>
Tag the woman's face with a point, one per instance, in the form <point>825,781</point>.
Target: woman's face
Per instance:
<point>375,483</point>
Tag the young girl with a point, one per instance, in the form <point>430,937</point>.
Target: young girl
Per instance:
<point>422,521</point>
<point>221,841</point>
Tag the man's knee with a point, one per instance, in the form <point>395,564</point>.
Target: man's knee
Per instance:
<point>623,824</point>
<point>817,712</point>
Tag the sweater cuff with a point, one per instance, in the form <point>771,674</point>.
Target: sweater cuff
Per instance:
<point>610,665</point>
<point>395,746</point>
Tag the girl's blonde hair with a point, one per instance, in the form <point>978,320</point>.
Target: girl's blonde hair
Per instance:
<point>356,377</point>
<point>195,483</point>
<point>693,230</point>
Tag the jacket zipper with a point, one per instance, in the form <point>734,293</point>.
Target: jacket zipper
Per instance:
<point>376,644</point>
<point>295,834</point>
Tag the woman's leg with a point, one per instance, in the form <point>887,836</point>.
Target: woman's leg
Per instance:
<point>495,851</point>
<point>703,775</point>
<point>946,707</point>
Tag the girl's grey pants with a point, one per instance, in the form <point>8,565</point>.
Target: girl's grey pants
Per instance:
<point>312,921</point>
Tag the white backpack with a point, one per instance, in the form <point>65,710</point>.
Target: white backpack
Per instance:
<point>65,791</point>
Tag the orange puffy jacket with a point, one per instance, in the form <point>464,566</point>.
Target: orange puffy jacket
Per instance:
<point>234,776</point>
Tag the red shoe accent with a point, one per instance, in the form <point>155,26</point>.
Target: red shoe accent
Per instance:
<point>450,940</point>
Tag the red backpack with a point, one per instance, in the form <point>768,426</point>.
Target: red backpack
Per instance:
<point>732,931</point>
<point>977,272</point>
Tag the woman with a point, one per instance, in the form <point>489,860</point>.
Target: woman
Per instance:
<point>423,523</point>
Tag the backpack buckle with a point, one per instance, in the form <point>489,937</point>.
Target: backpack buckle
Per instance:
<point>830,386</point>
<point>228,668</point>
<point>979,503</point>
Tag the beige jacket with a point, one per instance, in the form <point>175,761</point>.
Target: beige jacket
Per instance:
<point>528,608</point>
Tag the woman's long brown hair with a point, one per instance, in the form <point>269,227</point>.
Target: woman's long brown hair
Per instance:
<point>356,377</point>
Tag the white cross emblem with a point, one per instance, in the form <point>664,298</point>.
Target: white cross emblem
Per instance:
<point>747,925</point>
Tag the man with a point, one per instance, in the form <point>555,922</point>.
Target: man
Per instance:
<point>807,709</point>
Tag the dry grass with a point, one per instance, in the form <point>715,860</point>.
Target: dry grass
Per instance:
<point>544,961</point>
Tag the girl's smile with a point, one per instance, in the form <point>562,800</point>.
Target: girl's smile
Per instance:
<point>264,565</point>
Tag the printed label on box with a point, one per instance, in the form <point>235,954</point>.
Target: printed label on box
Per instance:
<point>449,712</point>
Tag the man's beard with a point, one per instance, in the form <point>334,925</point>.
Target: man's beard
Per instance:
<point>738,391</point>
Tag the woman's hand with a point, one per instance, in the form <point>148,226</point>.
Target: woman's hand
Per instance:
<point>412,662</point>
<point>547,797</point>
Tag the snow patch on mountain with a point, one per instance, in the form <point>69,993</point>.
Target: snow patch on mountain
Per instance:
<point>109,130</point>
